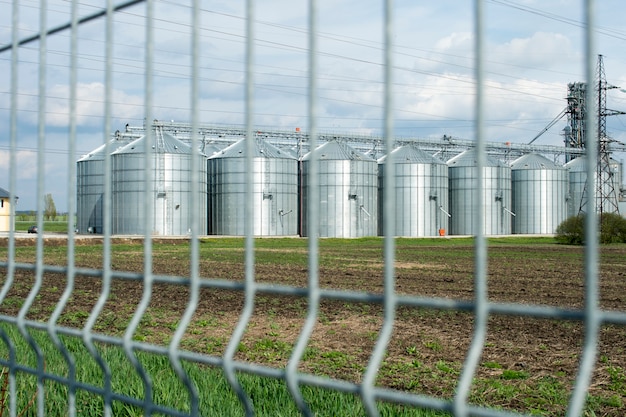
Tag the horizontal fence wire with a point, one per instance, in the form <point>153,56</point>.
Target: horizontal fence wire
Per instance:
<point>103,278</point>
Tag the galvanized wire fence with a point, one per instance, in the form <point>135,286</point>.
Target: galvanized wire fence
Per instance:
<point>481,307</point>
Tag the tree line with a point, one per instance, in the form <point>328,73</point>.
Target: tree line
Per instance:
<point>49,212</point>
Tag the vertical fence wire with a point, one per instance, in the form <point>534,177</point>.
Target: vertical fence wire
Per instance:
<point>194,256</point>
<point>105,288</point>
<point>10,274</point>
<point>39,262</point>
<point>71,186</point>
<point>150,160</point>
<point>389,228</point>
<point>481,308</point>
<point>592,319</point>
<point>250,284</point>
<point>313,288</point>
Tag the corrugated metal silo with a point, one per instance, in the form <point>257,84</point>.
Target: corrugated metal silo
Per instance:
<point>463,183</point>
<point>90,188</point>
<point>421,193</point>
<point>577,174</point>
<point>540,193</point>
<point>348,181</point>
<point>616,170</point>
<point>275,189</point>
<point>577,169</point>
<point>171,187</point>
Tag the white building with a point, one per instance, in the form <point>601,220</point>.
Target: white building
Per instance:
<point>5,211</point>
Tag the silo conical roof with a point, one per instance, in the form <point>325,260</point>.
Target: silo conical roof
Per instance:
<point>161,143</point>
<point>262,149</point>
<point>335,150</point>
<point>577,164</point>
<point>98,153</point>
<point>533,161</point>
<point>468,159</point>
<point>211,149</point>
<point>411,155</point>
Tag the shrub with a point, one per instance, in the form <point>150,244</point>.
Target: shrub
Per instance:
<point>612,228</point>
<point>572,230</point>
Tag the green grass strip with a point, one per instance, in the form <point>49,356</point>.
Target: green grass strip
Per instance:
<point>270,397</point>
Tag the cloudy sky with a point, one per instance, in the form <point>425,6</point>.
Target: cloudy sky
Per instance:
<point>534,49</point>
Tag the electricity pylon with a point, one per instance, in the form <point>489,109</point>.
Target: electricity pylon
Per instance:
<point>606,196</point>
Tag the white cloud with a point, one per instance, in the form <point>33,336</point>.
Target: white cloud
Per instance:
<point>540,50</point>
<point>455,41</point>
<point>90,105</point>
<point>25,161</point>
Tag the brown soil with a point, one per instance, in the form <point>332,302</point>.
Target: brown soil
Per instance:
<point>428,346</point>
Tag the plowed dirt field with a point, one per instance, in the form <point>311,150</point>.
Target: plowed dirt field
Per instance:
<point>528,364</point>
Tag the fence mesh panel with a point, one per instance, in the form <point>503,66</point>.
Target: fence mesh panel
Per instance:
<point>29,334</point>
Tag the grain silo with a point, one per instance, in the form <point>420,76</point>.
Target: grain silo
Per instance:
<point>577,173</point>
<point>421,193</point>
<point>274,188</point>
<point>578,194</point>
<point>170,160</point>
<point>90,188</point>
<point>616,170</point>
<point>540,193</point>
<point>348,186</point>
<point>463,184</point>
